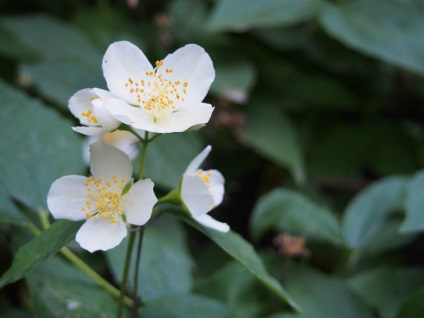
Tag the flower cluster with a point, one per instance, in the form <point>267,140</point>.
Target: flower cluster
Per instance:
<point>142,101</point>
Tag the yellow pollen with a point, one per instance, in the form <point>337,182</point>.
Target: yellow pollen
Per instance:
<point>156,93</point>
<point>205,176</point>
<point>107,202</point>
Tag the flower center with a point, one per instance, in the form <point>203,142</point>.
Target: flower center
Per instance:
<point>205,176</point>
<point>156,94</point>
<point>90,117</point>
<point>104,199</point>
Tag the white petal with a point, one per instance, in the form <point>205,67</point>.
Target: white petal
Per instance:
<point>183,119</point>
<point>123,140</point>
<point>193,65</point>
<point>67,197</point>
<point>102,93</point>
<point>195,195</point>
<point>210,222</point>
<point>198,160</point>
<point>216,186</point>
<point>104,117</point>
<point>126,113</point>
<point>91,131</point>
<point>106,161</point>
<point>140,202</point>
<point>81,102</point>
<point>123,60</point>
<point>98,234</point>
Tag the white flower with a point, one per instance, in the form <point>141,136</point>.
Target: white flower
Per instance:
<point>121,139</point>
<point>89,108</point>
<point>164,99</point>
<point>201,191</point>
<point>101,199</point>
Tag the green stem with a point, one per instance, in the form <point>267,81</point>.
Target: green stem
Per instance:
<point>143,155</point>
<point>137,302</point>
<point>94,276</point>
<point>125,273</point>
<point>132,235</point>
<point>44,219</point>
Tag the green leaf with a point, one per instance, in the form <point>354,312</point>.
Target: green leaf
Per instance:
<point>35,252</point>
<point>387,288</point>
<point>233,285</point>
<point>169,155</point>
<point>323,296</point>
<point>241,15</point>
<point>414,307</point>
<point>242,251</point>
<point>50,38</point>
<point>183,306</point>
<point>165,263</point>
<point>68,59</point>
<point>60,290</point>
<point>368,211</point>
<point>37,147</point>
<point>347,149</point>
<point>395,37</point>
<point>49,79</point>
<point>234,78</point>
<point>271,134</point>
<point>286,210</point>
<point>414,205</point>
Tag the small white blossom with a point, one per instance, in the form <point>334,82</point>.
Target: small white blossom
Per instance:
<point>102,199</point>
<point>164,99</point>
<point>203,190</point>
<point>89,108</point>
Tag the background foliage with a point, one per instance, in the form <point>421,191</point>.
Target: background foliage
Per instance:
<point>318,129</point>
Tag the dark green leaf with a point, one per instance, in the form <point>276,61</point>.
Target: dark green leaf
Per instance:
<point>60,290</point>
<point>49,79</point>
<point>51,38</point>
<point>273,135</point>
<point>414,205</point>
<point>395,37</point>
<point>234,78</point>
<point>323,296</point>
<point>32,254</point>
<point>386,288</point>
<point>241,15</point>
<point>414,307</point>
<point>369,210</point>
<point>168,157</point>
<point>286,210</point>
<point>233,285</point>
<point>183,306</point>
<point>37,147</point>
<point>165,263</point>
<point>243,252</point>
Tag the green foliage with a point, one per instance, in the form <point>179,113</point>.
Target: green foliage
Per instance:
<point>317,128</point>
<point>394,37</point>
<point>32,254</point>
<point>414,220</point>
<point>323,296</point>
<point>60,290</point>
<point>28,126</point>
<point>387,288</point>
<point>285,210</point>
<point>234,245</point>
<point>273,136</point>
<point>368,211</point>
<point>164,244</point>
<point>240,15</point>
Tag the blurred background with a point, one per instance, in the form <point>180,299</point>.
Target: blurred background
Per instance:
<point>314,101</point>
